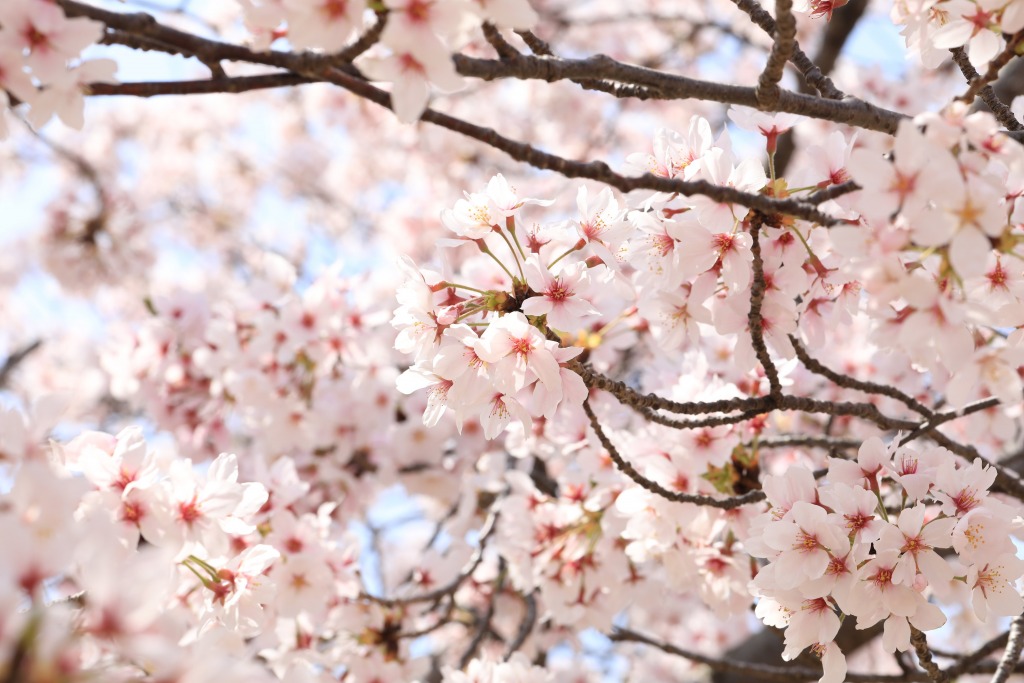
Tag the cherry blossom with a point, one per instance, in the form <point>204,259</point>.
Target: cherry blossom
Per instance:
<point>553,381</point>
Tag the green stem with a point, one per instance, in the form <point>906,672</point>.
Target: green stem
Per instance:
<point>575,247</point>
<point>185,563</point>
<point>881,506</point>
<point>205,565</point>
<point>485,249</point>
<point>515,256</point>
<point>510,223</point>
<point>467,287</point>
<point>473,311</point>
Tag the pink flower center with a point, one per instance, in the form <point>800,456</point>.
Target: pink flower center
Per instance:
<point>334,9</point>
<point>189,512</point>
<point>558,291</point>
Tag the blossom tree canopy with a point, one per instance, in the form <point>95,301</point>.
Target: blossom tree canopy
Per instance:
<point>511,340</point>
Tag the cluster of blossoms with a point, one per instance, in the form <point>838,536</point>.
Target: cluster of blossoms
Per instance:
<point>883,539</point>
<point>131,561</point>
<point>933,27</point>
<point>41,65</point>
<point>269,367</point>
<point>497,338</point>
<point>416,44</point>
<point>936,250</point>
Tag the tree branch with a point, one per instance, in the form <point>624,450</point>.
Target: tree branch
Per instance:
<point>987,93</point>
<point>767,91</point>
<point>656,488</point>
<point>754,319</point>
<point>812,74</point>
<point>1014,645</point>
<point>15,359</point>
<point>780,674</point>
<point>848,382</point>
<point>924,656</point>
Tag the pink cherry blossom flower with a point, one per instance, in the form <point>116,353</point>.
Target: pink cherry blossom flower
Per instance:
<point>916,541</point>
<point>410,21</point>
<point>877,596</point>
<point>519,353</point>
<point>919,171</point>
<point>854,508</point>
<point>324,24</point>
<point>962,489</point>
<point>984,532</point>
<point>718,168</point>
<point>40,28</point>
<point>601,225</point>
<point>420,377</point>
<point>675,155</point>
<point>571,391</point>
<point>202,511</point>
<point>411,69</point>
<point>872,457</point>
<point>971,23</point>
<point>471,217</point>
<point>993,587</point>
<point>560,296</point>
<point>814,622</point>
<point>770,125</point>
<point>499,411</point>
<point>675,316</point>
<point>804,542</point>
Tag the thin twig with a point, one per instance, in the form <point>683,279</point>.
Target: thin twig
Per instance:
<point>986,92</point>
<point>484,624</point>
<point>449,588</point>
<point>832,192</point>
<point>754,319</point>
<point>994,67</point>
<point>675,496</point>
<point>966,662</point>
<point>848,382</point>
<point>16,358</point>
<point>525,627</point>
<point>504,48</point>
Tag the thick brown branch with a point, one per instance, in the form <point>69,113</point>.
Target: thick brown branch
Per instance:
<point>924,656</point>
<point>234,85</point>
<point>812,74</point>
<point>629,396</point>
<point>767,91</point>
<point>601,67</point>
<point>765,672</point>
